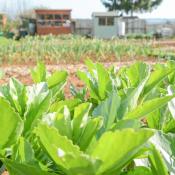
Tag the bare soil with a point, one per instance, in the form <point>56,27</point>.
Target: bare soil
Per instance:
<point>165,43</point>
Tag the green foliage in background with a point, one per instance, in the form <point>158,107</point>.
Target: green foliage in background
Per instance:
<point>71,49</point>
<point>127,7</point>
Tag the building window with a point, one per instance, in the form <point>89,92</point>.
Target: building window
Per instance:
<point>110,21</point>
<point>49,17</point>
<point>102,21</point>
<point>106,21</point>
<point>58,20</point>
<point>65,17</point>
<point>41,23</point>
<point>41,17</point>
<point>58,23</point>
<point>57,17</point>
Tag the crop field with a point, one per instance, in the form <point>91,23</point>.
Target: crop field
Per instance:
<point>120,122</point>
<point>64,114</point>
<point>69,53</point>
<point>75,49</point>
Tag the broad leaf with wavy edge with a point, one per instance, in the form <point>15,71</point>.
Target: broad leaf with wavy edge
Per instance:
<point>116,149</point>
<point>11,124</point>
<point>147,107</point>
<point>65,154</point>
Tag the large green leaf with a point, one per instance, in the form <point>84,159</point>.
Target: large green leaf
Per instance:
<point>70,103</point>
<point>80,120</point>
<point>131,123</point>
<point>157,163</point>
<point>11,124</point>
<point>39,73</point>
<point>57,78</point>
<point>165,143</point>
<point>84,127</point>
<point>116,149</point>
<point>97,79</point>
<point>149,106</point>
<point>65,154</point>
<point>91,66</point>
<point>62,121</point>
<point>171,104</point>
<point>18,94</point>
<point>38,102</point>
<point>156,77</point>
<point>169,125</point>
<point>15,93</point>
<point>22,152</point>
<point>81,129</point>
<point>15,168</point>
<point>155,119</point>
<point>90,82</point>
<point>171,77</point>
<point>108,110</point>
<point>136,73</point>
<point>132,99</point>
<point>104,82</point>
<point>89,133</point>
<point>56,83</point>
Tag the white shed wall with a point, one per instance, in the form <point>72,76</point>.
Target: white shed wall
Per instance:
<point>105,32</point>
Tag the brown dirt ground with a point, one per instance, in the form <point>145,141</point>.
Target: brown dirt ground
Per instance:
<point>165,43</point>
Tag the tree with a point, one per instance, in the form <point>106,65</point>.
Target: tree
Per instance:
<point>130,6</point>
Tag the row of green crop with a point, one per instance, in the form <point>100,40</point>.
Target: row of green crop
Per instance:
<point>75,48</point>
<point>121,123</point>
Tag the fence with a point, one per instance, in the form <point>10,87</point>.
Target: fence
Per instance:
<point>82,27</point>
<point>135,26</point>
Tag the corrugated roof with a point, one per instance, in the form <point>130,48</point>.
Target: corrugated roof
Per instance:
<point>53,10</point>
<point>112,13</point>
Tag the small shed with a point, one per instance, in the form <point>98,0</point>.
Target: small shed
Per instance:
<point>107,25</point>
<point>54,22</point>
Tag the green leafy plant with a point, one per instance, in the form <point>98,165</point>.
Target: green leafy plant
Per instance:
<point>121,123</point>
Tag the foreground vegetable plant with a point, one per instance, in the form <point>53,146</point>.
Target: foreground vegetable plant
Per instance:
<point>125,126</point>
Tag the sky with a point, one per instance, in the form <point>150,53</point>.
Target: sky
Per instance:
<point>84,8</point>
